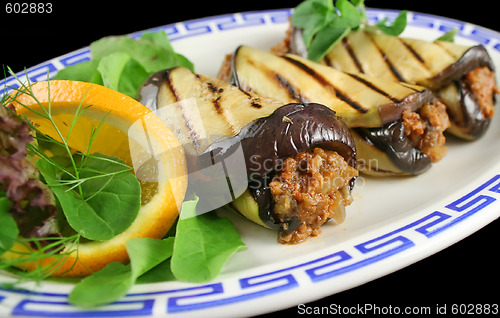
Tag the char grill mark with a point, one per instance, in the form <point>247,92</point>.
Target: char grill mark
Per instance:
<point>187,122</point>
<point>218,108</point>
<point>292,90</point>
<point>344,97</point>
<point>352,55</point>
<point>387,61</point>
<point>341,95</point>
<point>413,53</point>
<point>375,88</point>
<point>254,102</point>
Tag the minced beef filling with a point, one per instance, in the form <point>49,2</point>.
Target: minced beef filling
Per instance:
<point>426,129</point>
<point>313,187</point>
<point>482,82</point>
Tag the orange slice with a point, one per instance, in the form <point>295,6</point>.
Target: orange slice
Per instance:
<point>130,132</point>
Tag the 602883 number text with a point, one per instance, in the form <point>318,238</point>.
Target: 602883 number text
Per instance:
<point>475,309</point>
<point>28,7</point>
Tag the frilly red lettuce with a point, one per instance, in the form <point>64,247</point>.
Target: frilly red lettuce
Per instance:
<point>33,204</point>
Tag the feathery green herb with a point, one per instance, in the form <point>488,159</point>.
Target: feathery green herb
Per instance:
<point>98,195</point>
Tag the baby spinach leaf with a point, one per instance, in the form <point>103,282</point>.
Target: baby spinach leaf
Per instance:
<point>324,24</point>
<point>122,73</point>
<point>396,27</point>
<point>102,203</point>
<point>102,287</point>
<point>79,214</point>
<point>349,17</point>
<point>448,36</point>
<point>161,39</point>
<point>84,71</point>
<point>325,40</point>
<point>160,273</point>
<point>8,230</point>
<point>151,56</point>
<point>146,253</point>
<point>123,63</point>
<point>112,189</point>
<point>311,17</point>
<point>203,244</point>
<point>114,281</point>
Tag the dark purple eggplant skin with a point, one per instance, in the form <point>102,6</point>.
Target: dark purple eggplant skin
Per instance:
<point>474,123</point>
<point>474,57</point>
<point>150,88</point>
<point>392,140</point>
<point>288,131</point>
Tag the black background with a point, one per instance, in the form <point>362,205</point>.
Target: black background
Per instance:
<point>466,272</point>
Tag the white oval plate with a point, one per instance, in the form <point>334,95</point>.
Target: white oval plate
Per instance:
<point>392,223</point>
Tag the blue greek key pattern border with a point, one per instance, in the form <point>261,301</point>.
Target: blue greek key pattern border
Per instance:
<point>238,290</point>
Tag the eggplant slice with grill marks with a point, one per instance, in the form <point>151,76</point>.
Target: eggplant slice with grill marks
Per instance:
<point>299,159</point>
<point>398,127</point>
<point>463,77</point>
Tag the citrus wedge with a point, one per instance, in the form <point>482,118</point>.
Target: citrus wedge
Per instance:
<point>130,132</point>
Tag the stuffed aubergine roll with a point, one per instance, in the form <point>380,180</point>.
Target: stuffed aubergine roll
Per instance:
<point>398,127</point>
<point>463,77</point>
<point>299,159</point>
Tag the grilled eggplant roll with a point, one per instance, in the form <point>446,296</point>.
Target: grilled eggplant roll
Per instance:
<point>398,127</point>
<point>461,76</point>
<point>300,159</point>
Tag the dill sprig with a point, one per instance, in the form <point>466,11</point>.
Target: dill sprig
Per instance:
<point>58,249</point>
<point>34,148</point>
<point>68,181</point>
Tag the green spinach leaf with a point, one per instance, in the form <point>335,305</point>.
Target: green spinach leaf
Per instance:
<point>396,27</point>
<point>311,17</point>
<point>448,36</point>
<point>122,73</point>
<point>123,63</point>
<point>203,244</point>
<point>151,56</point>
<point>102,203</point>
<point>160,273</point>
<point>114,281</point>
<point>160,39</point>
<point>84,71</point>
<point>102,287</point>
<point>324,23</point>
<point>325,40</point>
